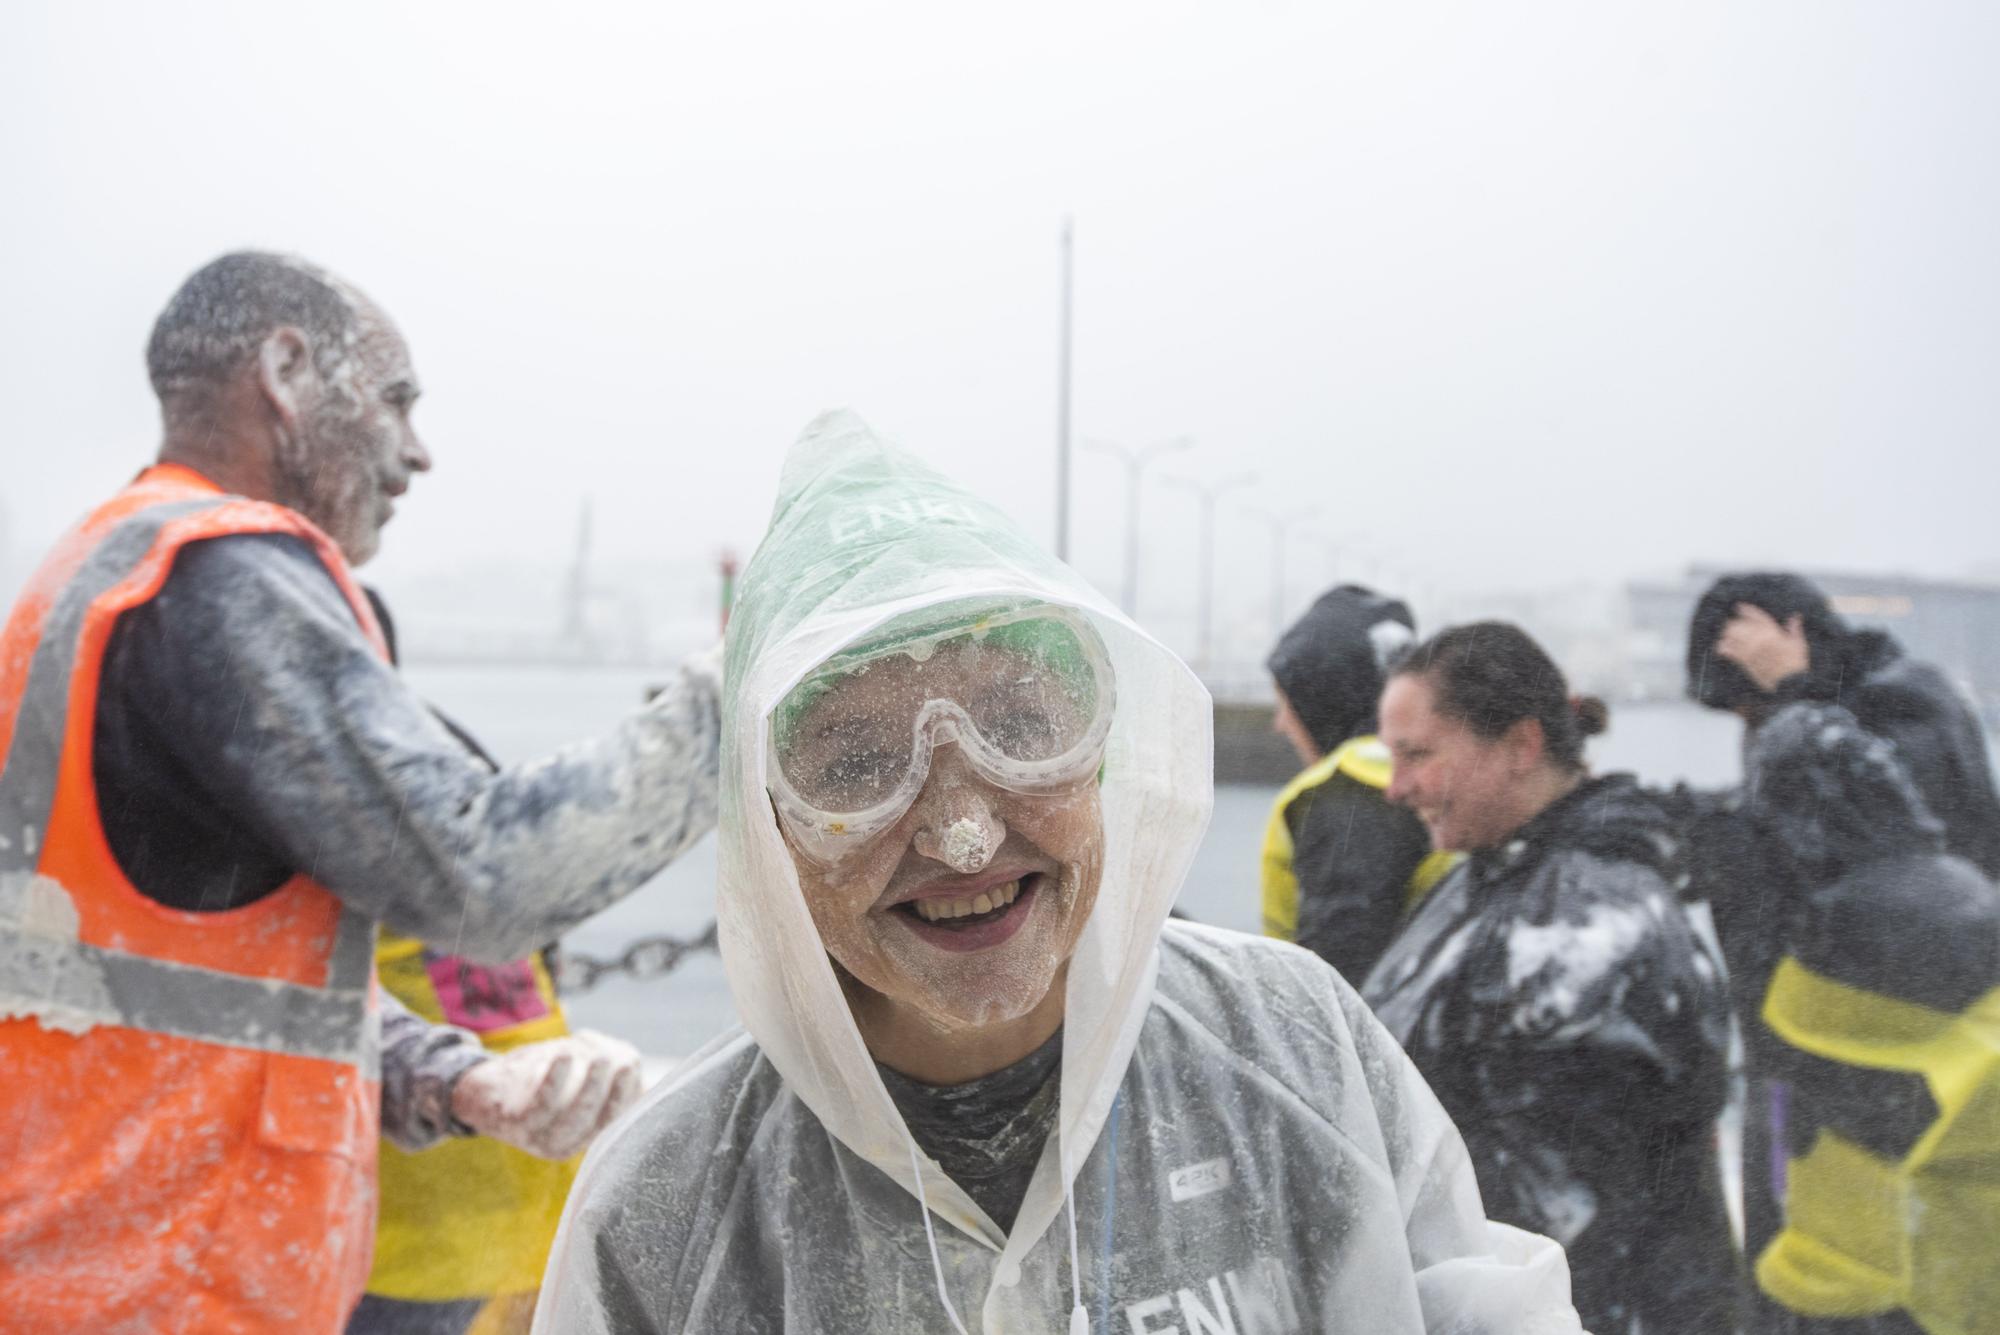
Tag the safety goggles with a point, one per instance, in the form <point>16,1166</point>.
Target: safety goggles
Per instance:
<point>1023,690</point>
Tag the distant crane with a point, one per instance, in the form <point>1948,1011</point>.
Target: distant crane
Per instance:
<point>576,636</point>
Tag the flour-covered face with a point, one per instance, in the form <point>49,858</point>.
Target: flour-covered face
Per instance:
<point>354,450</point>
<point>965,909</point>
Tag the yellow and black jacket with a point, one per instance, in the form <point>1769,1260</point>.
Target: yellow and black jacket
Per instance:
<point>1871,959</point>
<point>1341,866</point>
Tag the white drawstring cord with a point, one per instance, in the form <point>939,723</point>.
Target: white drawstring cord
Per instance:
<point>930,1236</point>
<point>1079,1321</point>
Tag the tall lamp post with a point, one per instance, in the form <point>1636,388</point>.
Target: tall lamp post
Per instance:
<point>1281,527</point>
<point>1135,467</point>
<point>1208,493</point>
<point>1063,357</point>
<point>1344,564</point>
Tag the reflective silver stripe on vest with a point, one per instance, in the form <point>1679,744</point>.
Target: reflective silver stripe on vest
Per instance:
<point>74,987</point>
<point>28,778</point>
<point>46,973</point>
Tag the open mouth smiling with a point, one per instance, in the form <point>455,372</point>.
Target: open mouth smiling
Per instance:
<point>978,917</point>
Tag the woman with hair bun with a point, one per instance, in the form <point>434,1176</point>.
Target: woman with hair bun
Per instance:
<point>1551,990</point>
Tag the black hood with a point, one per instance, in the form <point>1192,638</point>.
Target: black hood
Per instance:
<point>1838,652</point>
<point>1334,660</point>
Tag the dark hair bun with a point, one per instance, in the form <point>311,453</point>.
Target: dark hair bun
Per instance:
<point>1593,716</point>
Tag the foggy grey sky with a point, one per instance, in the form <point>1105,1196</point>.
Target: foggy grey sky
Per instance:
<point>1517,294</point>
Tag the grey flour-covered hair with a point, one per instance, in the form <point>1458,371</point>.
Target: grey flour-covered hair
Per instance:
<point>213,325</point>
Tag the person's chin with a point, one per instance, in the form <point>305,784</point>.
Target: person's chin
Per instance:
<point>360,547</point>
<point>968,992</point>
<point>974,1008</point>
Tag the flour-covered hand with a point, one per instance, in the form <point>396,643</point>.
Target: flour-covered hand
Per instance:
<point>550,1099</point>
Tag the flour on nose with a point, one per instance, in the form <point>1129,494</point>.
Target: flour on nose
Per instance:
<point>964,844</point>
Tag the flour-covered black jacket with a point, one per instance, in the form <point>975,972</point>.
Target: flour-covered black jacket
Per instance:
<point>1938,739</point>
<point>1555,997</point>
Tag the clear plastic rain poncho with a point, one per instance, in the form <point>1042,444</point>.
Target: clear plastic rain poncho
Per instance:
<point>1239,1146</point>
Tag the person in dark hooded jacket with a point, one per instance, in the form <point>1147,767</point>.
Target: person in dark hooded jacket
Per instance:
<point>1760,641</point>
<point>1552,990</point>
<point>1341,865</point>
<point>1862,933</point>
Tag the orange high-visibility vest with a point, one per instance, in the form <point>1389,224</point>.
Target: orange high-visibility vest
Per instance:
<point>191,1106</point>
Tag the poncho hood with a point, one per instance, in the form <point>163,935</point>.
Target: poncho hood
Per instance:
<point>862,533</point>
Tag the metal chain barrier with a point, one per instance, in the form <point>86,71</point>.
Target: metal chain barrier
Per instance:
<point>645,959</point>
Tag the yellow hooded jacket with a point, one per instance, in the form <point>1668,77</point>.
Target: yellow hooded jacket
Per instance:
<point>1365,760</point>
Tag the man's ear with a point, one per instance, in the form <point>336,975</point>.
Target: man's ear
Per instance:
<point>284,365</point>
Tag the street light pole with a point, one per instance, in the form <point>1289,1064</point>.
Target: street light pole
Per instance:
<point>1281,526</point>
<point>1208,493</point>
<point>1135,466</point>
<point>1062,391</point>
<point>1344,565</point>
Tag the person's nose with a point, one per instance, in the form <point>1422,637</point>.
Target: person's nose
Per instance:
<point>1399,787</point>
<point>956,825</point>
<point>413,455</point>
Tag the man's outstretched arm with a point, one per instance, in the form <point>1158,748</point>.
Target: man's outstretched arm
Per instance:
<point>291,720</point>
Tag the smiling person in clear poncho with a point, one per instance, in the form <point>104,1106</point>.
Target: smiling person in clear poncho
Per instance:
<point>982,1088</point>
